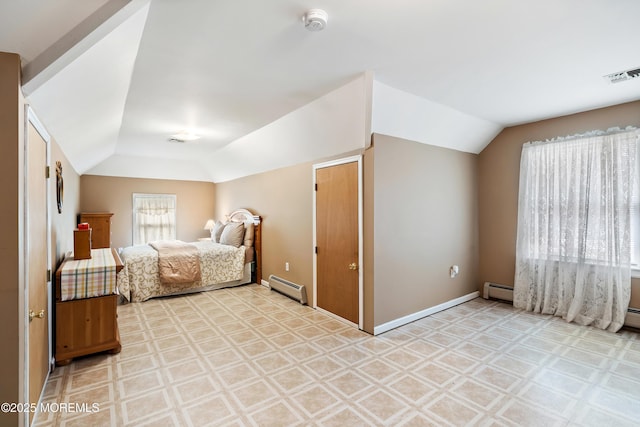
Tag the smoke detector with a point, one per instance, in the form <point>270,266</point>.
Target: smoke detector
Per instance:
<point>623,75</point>
<point>315,19</point>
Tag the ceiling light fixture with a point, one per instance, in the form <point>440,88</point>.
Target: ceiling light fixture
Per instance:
<point>315,19</point>
<point>183,136</point>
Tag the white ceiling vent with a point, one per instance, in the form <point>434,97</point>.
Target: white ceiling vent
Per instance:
<point>623,75</point>
<point>183,136</point>
<point>315,19</point>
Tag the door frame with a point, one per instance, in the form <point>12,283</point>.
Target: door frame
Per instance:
<point>31,118</point>
<point>336,162</point>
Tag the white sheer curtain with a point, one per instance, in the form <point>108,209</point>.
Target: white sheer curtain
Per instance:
<point>154,217</point>
<point>573,249</point>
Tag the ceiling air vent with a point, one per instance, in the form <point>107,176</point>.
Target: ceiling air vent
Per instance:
<point>183,136</point>
<point>623,75</point>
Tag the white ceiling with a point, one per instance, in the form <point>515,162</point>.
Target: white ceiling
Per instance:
<point>112,80</point>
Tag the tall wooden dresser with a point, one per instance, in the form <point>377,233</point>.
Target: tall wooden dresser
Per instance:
<point>100,224</point>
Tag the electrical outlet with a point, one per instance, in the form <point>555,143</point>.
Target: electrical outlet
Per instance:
<point>286,266</point>
<point>453,271</point>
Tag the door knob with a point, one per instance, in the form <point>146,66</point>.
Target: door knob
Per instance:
<point>33,314</point>
<point>353,266</point>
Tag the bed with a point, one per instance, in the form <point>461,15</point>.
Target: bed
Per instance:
<point>220,265</point>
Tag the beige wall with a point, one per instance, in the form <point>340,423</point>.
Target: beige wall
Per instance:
<point>423,199</point>
<point>498,175</point>
<point>284,199</point>
<point>111,194</point>
<point>425,220</point>
<point>63,224</point>
<point>11,232</point>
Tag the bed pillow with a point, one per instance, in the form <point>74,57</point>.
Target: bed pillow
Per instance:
<point>232,234</point>
<point>248,234</point>
<point>218,227</point>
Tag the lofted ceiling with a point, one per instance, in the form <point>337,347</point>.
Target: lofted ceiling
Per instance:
<point>113,79</point>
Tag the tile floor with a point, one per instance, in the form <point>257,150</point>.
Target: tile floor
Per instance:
<point>251,357</point>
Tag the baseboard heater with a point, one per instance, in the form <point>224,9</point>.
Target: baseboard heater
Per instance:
<point>505,293</point>
<point>290,289</point>
<point>632,318</point>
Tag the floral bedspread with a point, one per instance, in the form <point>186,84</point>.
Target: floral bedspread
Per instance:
<point>139,280</point>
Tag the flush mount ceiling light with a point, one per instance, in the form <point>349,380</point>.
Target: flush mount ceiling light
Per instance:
<point>315,19</point>
<point>183,136</point>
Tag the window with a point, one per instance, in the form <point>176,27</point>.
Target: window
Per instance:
<point>577,231</point>
<point>576,203</point>
<point>154,217</point>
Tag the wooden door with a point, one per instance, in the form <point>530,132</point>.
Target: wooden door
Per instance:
<point>37,262</point>
<point>337,232</point>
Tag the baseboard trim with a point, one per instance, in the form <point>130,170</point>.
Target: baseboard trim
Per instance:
<point>265,283</point>
<point>423,313</point>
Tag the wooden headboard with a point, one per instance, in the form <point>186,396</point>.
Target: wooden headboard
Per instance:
<point>243,215</point>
